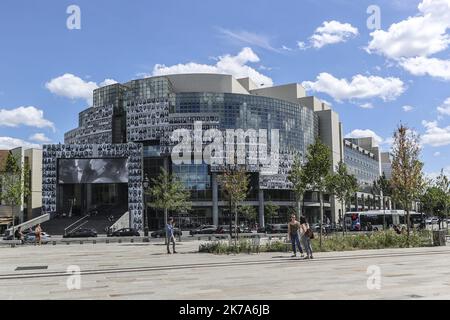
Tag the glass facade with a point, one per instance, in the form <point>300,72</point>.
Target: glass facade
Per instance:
<point>147,111</point>
<point>362,164</point>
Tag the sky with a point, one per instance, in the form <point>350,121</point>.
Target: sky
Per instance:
<point>379,63</point>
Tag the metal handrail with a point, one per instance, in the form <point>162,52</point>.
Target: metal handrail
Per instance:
<point>76,222</point>
<point>79,227</point>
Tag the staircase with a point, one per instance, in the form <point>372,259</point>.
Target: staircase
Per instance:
<point>32,223</point>
<point>100,222</point>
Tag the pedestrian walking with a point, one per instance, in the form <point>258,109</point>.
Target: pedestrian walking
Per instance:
<point>38,234</point>
<point>293,235</point>
<point>306,235</point>
<point>170,235</point>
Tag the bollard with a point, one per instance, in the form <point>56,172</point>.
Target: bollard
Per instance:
<point>81,242</point>
<point>54,243</point>
<point>94,242</point>
<point>67,242</point>
<point>107,240</point>
<point>120,241</point>
<point>132,240</point>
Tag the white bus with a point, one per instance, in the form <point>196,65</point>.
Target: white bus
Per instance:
<point>377,219</point>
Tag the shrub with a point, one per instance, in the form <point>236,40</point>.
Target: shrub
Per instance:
<point>361,241</point>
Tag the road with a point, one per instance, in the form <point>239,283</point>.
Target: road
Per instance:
<point>143,271</point>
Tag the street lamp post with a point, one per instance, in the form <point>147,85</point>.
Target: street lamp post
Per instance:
<point>146,185</point>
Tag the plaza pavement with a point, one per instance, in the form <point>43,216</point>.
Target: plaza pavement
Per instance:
<point>143,271</point>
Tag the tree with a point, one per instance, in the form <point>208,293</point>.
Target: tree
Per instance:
<point>169,194</point>
<point>443,184</point>
<point>407,177</point>
<point>235,184</point>
<point>343,185</point>
<point>436,197</point>
<point>298,179</point>
<point>317,171</point>
<point>270,210</point>
<point>15,182</point>
<point>248,212</point>
<point>382,187</point>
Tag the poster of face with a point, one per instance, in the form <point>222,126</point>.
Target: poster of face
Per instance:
<point>73,171</point>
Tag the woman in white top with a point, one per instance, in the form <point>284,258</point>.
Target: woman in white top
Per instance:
<point>304,226</point>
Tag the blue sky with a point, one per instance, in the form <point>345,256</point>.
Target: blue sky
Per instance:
<point>367,77</point>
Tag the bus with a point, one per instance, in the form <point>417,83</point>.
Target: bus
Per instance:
<point>376,219</point>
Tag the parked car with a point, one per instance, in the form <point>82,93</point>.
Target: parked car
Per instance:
<point>31,238</point>
<point>162,233</point>
<point>82,233</point>
<point>277,228</point>
<point>126,232</point>
<point>225,229</point>
<point>205,229</point>
<point>432,220</point>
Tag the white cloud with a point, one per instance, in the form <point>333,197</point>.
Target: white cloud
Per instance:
<point>359,133</point>
<point>73,87</point>
<point>445,108</point>
<point>286,48</point>
<point>433,67</point>
<point>331,32</point>
<point>435,135</point>
<point>8,143</point>
<point>436,154</point>
<point>249,38</point>
<point>366,106</point>
<point>411,42</point>
<point>301,45</point>
<point>108,82</point>
<point>28,116</point>
<point>227,64</point>
<point>40,137</point>
<point>421,35</point>
<point>434,175</point>
<point>360,87</point>
<point>407,108</point>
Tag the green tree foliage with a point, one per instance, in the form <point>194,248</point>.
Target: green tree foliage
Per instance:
<point>249,213</point>
<point>15,182</point>
<point>270,211</point>
<point>317,170</point>
<point>235,186</point>
<point>436,197</point>
<point>299,183</point>
<point>343,185</point>
<point>168,194</point>
<point>407,178</point>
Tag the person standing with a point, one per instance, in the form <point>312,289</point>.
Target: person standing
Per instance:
<point>293,235</point>
<point>306,233</point>
<point>170,235</point>
<point>18,234</point>
<point>38,234</point>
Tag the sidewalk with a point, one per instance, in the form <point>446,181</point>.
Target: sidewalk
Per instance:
<point>144,271</point>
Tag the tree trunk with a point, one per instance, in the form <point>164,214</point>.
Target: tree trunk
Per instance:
<point>235,224</point>
<point>407,226</point>
<point>321,218</point>
<point>165,225</point>
<point>343,217</point>
<point>299,208</point>
<point>13,222</point>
